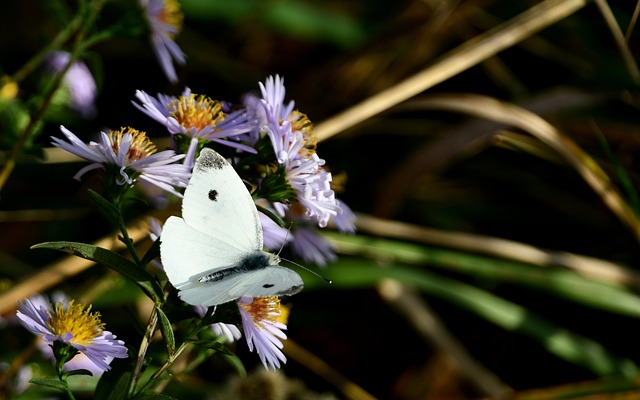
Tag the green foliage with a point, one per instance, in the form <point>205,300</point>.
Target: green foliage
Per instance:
<point>112,260</point>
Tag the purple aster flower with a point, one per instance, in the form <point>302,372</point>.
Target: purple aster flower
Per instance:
<point>263,329</point>
<point>294,145</point>
<point>274,235</point>
<point>286,142</point>
<point>78,81</point>
<point>133,153</point>
<point>79,361</point>
<point>273,93</point>
<point>73,325</point>
<point>155,231</point>
<point>312,247</point>
<point>314,189</point>
<point>256,116</point>
<point>165,22</point>
<point>229,332</point>
<point>345,220</point>
<point>198,117</point>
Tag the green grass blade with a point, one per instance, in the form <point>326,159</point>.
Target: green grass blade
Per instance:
<point>352,273</point>
<point>561,283</point>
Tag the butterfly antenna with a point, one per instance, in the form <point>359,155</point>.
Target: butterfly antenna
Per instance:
<point>285,239</point>
<point>307,269</point>
<point>295,263</point>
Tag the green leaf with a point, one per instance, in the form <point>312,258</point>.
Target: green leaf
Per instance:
<point>78,372</point>
<point>555,281</point>
<point>235,362</point>
<point>152,253</point>
<point>114,384</point>
<point>167,331</point>
<point>106,207</point>
<point>50,382</point>
<point>309,21</point>
<point>112,260</point>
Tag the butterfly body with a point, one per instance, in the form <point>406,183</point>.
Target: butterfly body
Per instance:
<point>213,254</point>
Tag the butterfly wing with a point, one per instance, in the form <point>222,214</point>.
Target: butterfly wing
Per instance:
<point>219,223</point>
<point>273,280</point>
<point>220,233</point>
<point>186,252</point>
<point>217,203</point>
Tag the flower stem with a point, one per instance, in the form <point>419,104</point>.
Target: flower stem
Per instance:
<point>172,357</point>
<point>17,148</point>
<point>144,345</point>
<point>80,26</point>
<point>170,360</point>
<point>68,391</point>
<point>61,359</point>
<point>128,242</point>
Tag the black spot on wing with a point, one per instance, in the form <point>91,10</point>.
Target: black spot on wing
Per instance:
<point>213,195</point>
<point>210,159</point>
<point>268,285</point>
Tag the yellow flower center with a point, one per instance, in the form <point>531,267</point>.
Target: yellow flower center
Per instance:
<point>300,122</point>
<point>171,15</point>
<point>196,111</point>
<point>76,320</point>
<point>141,145</point>
<point>266,309</point>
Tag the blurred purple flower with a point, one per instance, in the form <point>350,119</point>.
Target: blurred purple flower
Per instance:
<point>78,81</point>
<point>312,247</point>
<point>345,220</point>
<point>165,21</point>
<point>274,235</point>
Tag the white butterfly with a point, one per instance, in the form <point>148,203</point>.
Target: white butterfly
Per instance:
<point>214,253</point>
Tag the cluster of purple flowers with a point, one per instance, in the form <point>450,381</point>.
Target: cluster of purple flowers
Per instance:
<point>201,119</point>
<point>300,195</point>
<point>293,188</point>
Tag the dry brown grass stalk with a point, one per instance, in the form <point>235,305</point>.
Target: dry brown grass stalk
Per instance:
<point>465,56</point>
<point>428,325</point>
<point>512,115</point>
<point>69,266</point>
<point>588,266</point>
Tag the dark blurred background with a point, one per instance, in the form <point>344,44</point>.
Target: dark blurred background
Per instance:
<point>428,167</point>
